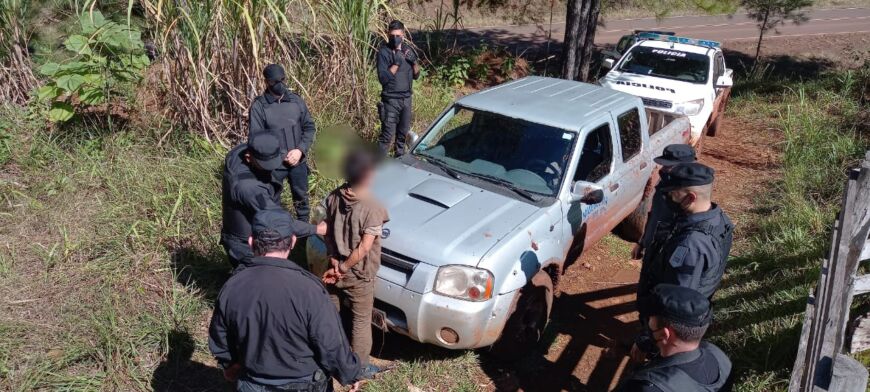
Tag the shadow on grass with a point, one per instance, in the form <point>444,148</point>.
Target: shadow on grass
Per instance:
<point>776,73</point>
<point>179,373</point>
<point>205,270</point>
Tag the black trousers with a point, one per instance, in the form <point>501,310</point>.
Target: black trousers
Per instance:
<point>395,116</point>
<point>238,250</point>
<point>297,177</point>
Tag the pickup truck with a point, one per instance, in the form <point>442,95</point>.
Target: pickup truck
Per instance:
<point>678,75</point>
<point>506,188</point>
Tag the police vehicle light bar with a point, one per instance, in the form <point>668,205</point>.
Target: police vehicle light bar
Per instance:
<point>679,40</point>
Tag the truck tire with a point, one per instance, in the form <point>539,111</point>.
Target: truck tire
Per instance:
<point>631,228</point>
<point>528,319</point>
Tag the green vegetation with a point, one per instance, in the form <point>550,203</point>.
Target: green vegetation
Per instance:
<point>822,133</point>
<point>109,255</point>
<point>105,56</point>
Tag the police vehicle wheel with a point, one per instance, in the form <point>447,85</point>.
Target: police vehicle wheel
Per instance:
<point>525,325</point>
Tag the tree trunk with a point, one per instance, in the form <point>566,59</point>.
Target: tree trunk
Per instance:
<point>571,43</point>
<point>580,24</point>
<point>761,31</point>
<point>589,41</point>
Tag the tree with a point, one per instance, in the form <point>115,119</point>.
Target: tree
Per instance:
<point>771,13</point>
<point>582,20</point>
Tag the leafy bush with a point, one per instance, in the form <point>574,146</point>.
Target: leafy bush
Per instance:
<point>104,56</point>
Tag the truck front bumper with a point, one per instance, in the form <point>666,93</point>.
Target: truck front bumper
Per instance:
<point>443,321</point>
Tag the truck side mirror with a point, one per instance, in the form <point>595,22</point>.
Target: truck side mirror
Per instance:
<point>724,81</point>
<point>587,193</point>
<point>608,63</point>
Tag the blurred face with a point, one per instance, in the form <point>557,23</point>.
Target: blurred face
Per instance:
<point>365,182</point>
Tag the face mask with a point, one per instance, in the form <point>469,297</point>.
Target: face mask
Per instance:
<point>395,41</point>
<point>278,88</point>
<point>675,206</point>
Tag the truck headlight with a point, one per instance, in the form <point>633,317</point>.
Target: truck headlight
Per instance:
<point>468,283</point>
<point>690,108</point>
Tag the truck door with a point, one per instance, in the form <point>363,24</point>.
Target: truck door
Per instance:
<point>594,164</point>
<point>632,169</point>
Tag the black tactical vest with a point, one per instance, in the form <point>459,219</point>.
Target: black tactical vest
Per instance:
<point>666,375</point>
<point>668,237</point>
<point>282,121</point>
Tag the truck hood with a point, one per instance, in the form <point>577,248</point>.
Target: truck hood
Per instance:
<point>438,220</point>
<point>652,87</point>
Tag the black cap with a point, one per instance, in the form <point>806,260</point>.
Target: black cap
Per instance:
<point>274,72</point>
<point>676,153</point>
<point>266,150</point>
<point>395,25</point>
<point>681,304</point>
<point>276,220</point>
<point>685,175</point>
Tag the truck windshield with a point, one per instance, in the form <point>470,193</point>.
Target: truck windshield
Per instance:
<point>667,63</point>
<point>511,152</point>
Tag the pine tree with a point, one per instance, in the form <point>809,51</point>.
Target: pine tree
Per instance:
<point>772,13</point>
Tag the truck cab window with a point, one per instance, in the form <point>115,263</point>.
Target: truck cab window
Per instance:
<point>629,134</point>
<point>596,157</point>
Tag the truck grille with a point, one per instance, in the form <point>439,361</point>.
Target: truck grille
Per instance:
<point>657,103</point>
<point>397,261</point>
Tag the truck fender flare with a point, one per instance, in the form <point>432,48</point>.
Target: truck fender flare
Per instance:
<point>527,268</point>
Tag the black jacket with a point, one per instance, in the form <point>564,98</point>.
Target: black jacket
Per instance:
<point>691,252</point>
<point>706,369</point>
<point>398,85</point>
<point>245,192</point>
<point>288,119</point>
<point>277,321</point>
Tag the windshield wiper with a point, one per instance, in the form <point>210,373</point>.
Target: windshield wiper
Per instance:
<point>441,165</point>
<point>509,185</point>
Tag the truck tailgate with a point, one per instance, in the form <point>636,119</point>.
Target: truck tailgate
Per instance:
<point>665,129</point>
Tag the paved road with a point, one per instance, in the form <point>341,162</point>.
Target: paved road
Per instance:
<point>718,27</point>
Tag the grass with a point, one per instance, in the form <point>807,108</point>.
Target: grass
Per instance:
<point>764,295</point>
<point>110,248</point>
<point>109,255</point>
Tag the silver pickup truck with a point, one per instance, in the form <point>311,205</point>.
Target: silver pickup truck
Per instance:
<point>507,187</point>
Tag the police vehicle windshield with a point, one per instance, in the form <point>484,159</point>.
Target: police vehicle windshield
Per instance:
<point>667,63</point>
<point>510,152</point>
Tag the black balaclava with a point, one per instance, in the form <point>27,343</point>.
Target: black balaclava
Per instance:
<point>275,75</point>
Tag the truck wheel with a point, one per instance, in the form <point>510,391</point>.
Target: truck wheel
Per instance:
<point>631,228</point>
<point>528,318</point>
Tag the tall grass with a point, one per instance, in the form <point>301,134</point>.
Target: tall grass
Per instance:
<point>761,305</point>
<point>214,50</point>
<point>17,80</point>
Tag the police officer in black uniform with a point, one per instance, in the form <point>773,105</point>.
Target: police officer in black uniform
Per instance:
<point>274,327</point>
<point>679,317</point>
<point>285,115</point>
<point>659,213</point>
<point>693,250</point>
<point>397,70</point>
<point>250,186</point>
